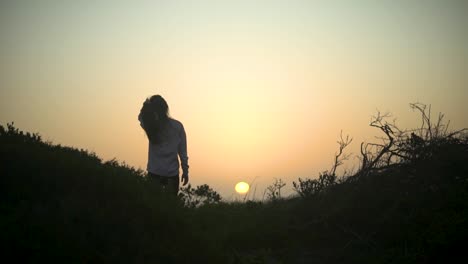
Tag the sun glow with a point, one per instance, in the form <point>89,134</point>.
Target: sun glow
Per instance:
<point>242,187</point>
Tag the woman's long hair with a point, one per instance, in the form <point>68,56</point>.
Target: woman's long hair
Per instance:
<point>154,115</point>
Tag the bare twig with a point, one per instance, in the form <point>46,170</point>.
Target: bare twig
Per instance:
<point>343,143</point>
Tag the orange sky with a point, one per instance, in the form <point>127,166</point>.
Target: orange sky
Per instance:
<point>263,88</point>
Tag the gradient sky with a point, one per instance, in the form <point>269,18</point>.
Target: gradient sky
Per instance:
<point>263,87</point>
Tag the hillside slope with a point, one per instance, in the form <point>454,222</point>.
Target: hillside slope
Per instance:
<point>66,205</point>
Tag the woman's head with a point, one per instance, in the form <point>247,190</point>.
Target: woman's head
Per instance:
<point>159,106</point>
<point>154,115</point>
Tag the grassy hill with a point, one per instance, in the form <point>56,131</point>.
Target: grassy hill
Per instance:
<point>60,204</point>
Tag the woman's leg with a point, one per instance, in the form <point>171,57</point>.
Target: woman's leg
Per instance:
<point>166,184</point>
<point>155,181</point>
<point>172,186</point>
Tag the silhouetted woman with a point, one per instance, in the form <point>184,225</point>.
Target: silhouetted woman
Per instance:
<point>167,143</point>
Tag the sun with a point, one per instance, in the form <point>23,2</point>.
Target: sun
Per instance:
<point>242,187</point>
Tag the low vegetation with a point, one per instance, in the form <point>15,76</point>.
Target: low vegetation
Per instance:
<point>407,203</point>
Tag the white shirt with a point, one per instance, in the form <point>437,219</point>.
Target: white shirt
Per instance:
<point>163,157</point>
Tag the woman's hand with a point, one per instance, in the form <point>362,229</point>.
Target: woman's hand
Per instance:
<point>184,179</point>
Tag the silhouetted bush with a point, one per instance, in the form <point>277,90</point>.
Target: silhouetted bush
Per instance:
<point>273,191</point>
<point>311,187</point>
<point>201,195</point>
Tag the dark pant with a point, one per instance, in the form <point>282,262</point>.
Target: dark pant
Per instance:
<point>166,184</point>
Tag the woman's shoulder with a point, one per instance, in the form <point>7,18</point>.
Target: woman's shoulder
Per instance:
<point>175,123</point>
